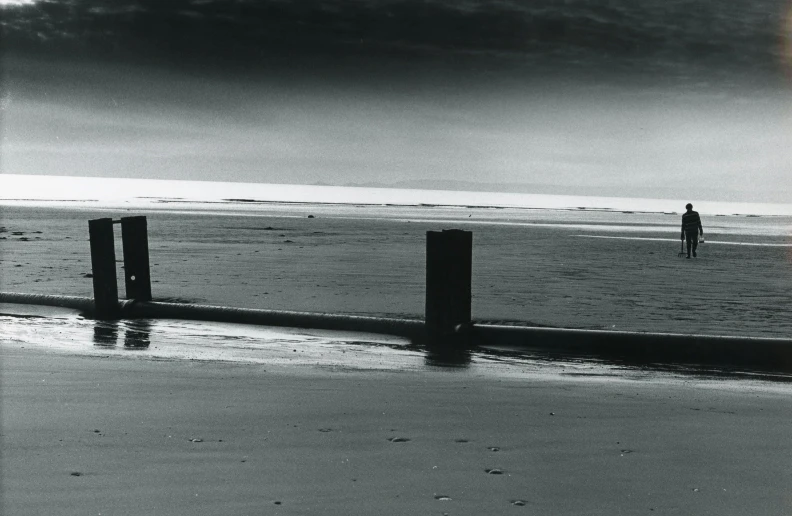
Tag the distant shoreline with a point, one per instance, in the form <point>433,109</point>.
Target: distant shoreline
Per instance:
<point>144,193</point>
<point>175,200</point>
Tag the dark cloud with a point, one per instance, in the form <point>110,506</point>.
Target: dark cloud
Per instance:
<point>679,37</point>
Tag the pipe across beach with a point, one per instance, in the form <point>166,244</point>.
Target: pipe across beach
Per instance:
<point>627,347</point>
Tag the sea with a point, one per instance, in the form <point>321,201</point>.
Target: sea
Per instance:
<point>599,217</point>
<point>102,192</point>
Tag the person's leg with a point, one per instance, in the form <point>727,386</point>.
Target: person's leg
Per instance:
<point>688,238</point>
<point>694,240</point>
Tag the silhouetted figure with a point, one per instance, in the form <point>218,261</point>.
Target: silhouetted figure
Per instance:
<point>691,229</point>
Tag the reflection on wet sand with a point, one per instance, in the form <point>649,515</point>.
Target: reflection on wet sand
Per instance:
<point>191,340</point>
<point>105,333</point>
<point>453,351</point>
<point>137,333</point>
<point>447,357</point>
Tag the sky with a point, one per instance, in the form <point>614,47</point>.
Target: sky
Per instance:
<point>638,98</point>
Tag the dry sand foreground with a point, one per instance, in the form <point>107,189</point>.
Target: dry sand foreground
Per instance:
<point>124,436</point>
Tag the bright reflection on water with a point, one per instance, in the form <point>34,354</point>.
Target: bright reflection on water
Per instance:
<point>101,192</point>
<point>64,331</point>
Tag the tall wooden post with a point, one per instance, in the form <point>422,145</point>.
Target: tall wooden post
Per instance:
<point>103,267</point>
<point>449,266</point>
<point>137,278</point>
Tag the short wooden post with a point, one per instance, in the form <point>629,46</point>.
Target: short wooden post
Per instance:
<point>449,265</point>
<point>137,278</point>
<point>103,267</point>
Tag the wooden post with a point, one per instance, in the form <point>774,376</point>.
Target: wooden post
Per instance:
<point>137,278</point>
<point>103,267</point>
<point>449,265</point>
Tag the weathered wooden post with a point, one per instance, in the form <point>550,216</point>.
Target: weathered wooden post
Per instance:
<point>103,265</point>
<point>137,278</point>
<point>449,266</point>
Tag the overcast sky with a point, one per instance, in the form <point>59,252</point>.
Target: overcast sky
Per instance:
<point>650,98</point>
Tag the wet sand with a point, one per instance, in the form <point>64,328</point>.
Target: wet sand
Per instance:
<point>111,434</point>
<point>534,267</point>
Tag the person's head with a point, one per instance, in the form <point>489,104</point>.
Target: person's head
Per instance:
<point>689,206</point>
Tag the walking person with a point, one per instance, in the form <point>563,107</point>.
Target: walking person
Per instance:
<point>691,229</point>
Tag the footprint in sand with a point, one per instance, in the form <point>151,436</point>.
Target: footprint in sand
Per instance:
<point>494,471</point>
<point>443,498</point>
<point>398,439</point>
<point>325,430</point>
<point>461,441</point>
<point>493,448</point>
<point>518,503</point>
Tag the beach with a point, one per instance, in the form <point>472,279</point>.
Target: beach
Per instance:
<point>589,269</point>
<point>112,434</point>
<point>291,159</point>
<point>180,417</point>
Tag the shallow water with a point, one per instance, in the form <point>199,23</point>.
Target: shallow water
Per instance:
<point>66,331</point>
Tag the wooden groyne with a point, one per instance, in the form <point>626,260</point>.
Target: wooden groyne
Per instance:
<point>447,323</point>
